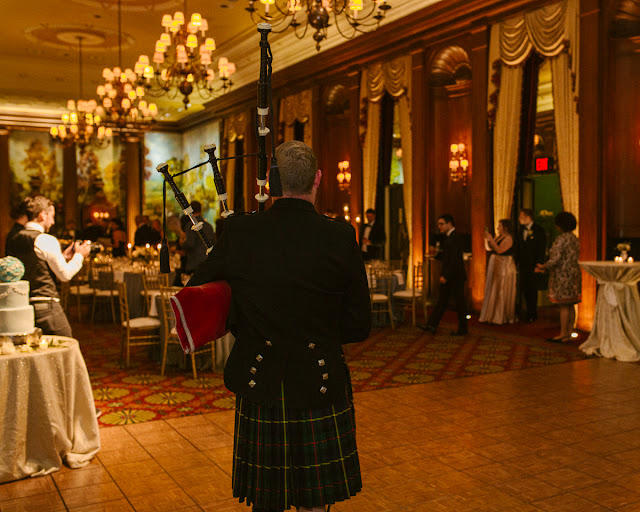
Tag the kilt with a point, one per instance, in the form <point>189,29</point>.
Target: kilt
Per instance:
<point>285,457</point>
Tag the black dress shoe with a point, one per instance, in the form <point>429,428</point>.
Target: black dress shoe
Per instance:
<point>428,328</point>
<point>459,333</point>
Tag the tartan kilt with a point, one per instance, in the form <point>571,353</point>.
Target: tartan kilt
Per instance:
<point>285,457</point>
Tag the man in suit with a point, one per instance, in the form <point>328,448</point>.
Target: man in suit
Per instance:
<point>299,293</point>
<point>531,248</point>
<point>372,237</point>
<point>195,251</point>
<point>452,277</point>
<point>19,216</point>
<point>145,234</point>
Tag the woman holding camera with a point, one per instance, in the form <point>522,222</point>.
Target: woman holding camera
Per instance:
<point>499,305</point>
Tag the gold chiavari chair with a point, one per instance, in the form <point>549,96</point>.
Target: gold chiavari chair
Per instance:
<point>79,289</point>
<point>380,291</point>
<point>413,295</point>
<point>138,331</point>
<point>104,288</point>
<point>171,335</point>
<point>152,280</point>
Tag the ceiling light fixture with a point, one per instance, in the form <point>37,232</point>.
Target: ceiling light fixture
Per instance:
<point>350,17</point>
<point>82,125</point>
<point>182,61</point>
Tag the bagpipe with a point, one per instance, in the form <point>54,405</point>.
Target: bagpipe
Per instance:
<point>201,311</point>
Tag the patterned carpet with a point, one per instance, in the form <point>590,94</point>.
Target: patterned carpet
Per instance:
<point>387,359</point>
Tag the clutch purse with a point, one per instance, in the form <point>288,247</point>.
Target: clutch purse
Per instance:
<point>201,314</point>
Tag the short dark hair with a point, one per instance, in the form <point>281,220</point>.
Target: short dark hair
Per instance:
<point>298,166</point>
<point>528,212</point>
<point>34,205</point>
<point>447,218</point>
<point>566,221</point>
<point>196,206</point>
<point>371,210</point>
<point>506,225</point>
<point>118,222</point>
<point>18,211</point>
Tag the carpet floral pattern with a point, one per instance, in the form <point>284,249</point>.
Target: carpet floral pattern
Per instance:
<point>389,358</point>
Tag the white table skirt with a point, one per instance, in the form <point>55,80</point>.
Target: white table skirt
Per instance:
<point>616,326</point>
<point>48,412</point>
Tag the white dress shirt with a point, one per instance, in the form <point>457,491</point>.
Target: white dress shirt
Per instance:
<point>47,248</point>
<point>525,231</point>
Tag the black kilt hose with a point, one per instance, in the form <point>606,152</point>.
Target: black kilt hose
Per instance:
<point>289,457</point>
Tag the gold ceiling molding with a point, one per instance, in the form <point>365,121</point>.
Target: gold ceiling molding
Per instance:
<point>65,36</point>
<point>132,5</point>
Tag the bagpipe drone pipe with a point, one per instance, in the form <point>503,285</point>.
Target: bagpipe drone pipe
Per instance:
<point>201,311</point>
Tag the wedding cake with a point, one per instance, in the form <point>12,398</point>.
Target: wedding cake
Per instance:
<point>16,314</point>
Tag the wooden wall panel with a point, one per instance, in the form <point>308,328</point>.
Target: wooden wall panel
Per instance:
<point>419,196</point>
<point>623,173</point>
<point>5,191</point>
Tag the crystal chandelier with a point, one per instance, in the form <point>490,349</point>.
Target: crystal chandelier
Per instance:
<point>82,125</point>
<point>349,16</point>
<point>183,61</point>
<point>121,98</point>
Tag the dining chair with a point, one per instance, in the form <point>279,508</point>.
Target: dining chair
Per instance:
<point>136,332</point>
<point>171,335</point>
<point>413,295</point>
<point>152,280</point>
<point>79,290</point>
<point>103,287</point>
<point>380,291</point>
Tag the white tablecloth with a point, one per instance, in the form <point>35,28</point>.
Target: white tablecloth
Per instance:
<point>616,326</point>
<point>48,412</point>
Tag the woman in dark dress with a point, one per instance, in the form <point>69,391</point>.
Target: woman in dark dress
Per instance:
<point>565,277</point>
<point>499,305</point>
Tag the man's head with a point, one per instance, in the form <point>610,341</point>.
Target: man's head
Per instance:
<point>140,220</point>
<point>445,223</point>
<point>371,215</point>
<point>41,210</point>
<point>197,207</point>
<point>526,216</point>
<point>18,214</point>
<point>298,167</point>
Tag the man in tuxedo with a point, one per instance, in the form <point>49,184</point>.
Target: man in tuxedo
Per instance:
<point>531,247</point>
<point>19,216</point>
<point>372,237</point>
<point>452,277</point>
<point>145,234</point>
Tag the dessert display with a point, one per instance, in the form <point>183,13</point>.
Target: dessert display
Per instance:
<point>16,314</point>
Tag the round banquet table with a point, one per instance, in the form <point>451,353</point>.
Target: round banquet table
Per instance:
<point>49,414</point>
<point>616,326</point>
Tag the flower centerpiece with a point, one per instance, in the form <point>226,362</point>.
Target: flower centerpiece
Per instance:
<point>623,248</point>
<point>146,254</point>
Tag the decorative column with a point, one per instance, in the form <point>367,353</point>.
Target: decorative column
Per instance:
<point>419,153</point>
<point>592,46</point>
<point>481,190</point>
<point>134,183</point>
<point>70,185</point>
<point>355,147</point>
<point>5,190</point>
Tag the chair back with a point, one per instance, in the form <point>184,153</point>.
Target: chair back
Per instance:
<point>380,280</point>
<point>418,280</point>
<point>153,279</point>
<point>167,310</point>
<point>102,276</point>
<point>123,301</point>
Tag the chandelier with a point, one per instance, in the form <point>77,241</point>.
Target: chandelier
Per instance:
<point>121,98</point>
<point>349,16</point>
<point>82,125</point>
<point>183,61</point>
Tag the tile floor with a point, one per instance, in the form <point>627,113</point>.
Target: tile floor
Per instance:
<point>563,438</point>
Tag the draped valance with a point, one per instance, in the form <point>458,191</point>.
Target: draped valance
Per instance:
<point>393,77</point>
<point>235,126</point>
<point>296,107</point>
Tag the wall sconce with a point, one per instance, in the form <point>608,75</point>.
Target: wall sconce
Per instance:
<point>345,208</point>
<point>344,175</point>
<point>458,164</point>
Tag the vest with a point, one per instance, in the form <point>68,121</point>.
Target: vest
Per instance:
<point>42,282</point>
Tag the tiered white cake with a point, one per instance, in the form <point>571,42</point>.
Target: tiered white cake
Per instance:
<point>16,315</point>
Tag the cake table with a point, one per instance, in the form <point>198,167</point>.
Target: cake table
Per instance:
<point>48,411</point>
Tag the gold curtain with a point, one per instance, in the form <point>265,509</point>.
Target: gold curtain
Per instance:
<point>393,77</point>
<point>235,128</point>
<point>297,107</point>
<point>553,32</point>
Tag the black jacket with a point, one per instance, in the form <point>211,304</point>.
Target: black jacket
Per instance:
<point>451,256</point>
<point>299,292</point>
<point>196,252</point>
<point>532,250</point>
<point>377,237</point>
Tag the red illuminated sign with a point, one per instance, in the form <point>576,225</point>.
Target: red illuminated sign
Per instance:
<point>542,164</point>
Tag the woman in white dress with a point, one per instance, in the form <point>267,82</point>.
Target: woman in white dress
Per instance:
<point>499,305</point>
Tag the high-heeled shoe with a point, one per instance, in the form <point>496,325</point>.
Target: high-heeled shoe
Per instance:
<point>561,339</point>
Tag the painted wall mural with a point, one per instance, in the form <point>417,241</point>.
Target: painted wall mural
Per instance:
<point>36,166</point>
<point>181,151</point>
